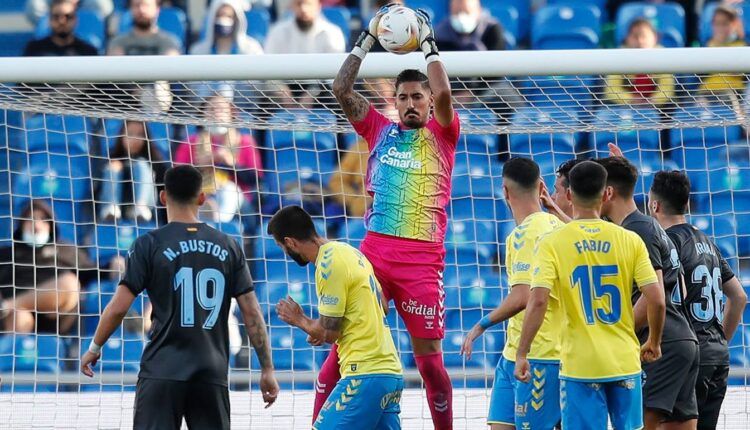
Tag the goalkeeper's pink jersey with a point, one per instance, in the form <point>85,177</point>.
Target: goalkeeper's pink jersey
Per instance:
<point>408,176</point>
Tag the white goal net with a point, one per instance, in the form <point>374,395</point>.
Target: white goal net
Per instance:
<point>84,143</point>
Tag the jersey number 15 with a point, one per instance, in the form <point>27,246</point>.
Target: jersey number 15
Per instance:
<point>589,279</point>
<point>191,287</point>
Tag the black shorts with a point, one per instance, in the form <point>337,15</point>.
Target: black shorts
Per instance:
<point>710,391</point>
<point>670,381</point>
<point>162,404</point>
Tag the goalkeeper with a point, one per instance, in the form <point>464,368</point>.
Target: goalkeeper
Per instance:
<point>409,178</point>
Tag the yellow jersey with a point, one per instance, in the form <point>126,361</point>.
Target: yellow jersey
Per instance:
<point>347,288</point>
<point>591,266</point>
<point>519,258</point>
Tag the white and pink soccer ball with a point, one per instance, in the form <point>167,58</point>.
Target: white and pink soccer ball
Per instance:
<point>398,30</point>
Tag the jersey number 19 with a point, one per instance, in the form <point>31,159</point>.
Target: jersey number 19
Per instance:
<point>191,287</point>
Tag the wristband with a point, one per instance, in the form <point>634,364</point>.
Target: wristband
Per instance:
<point>485,322</point>
<point>429,48</point>
<point>94,348</point>
<point>363,45</point>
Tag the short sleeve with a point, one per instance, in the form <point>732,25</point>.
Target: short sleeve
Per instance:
<point>544,272</point>
<point>138,266</point>
<point>653,242</point>
<point>372,124</point>
<point>243,281</point>
<point>521,258</point>
<point>447,135</point>
<point>643,273</point>
<point>332,279</point>
<point>726,271</point>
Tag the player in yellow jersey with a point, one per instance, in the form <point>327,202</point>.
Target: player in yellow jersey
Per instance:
<point>351,315</point>
<point>535,405</point>
<point>592,266</point>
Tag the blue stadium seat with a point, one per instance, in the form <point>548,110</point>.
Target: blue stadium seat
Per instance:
<point>647,169</point>
<point>96,296</point>
<point>481,292</point>
<point>258,23</point>
<point>290,350</point>
<point>704,137</point>
<point>480,209</point>
<point>629,140</point>
<point>470,235</point>
<point>339,16</point>
<point>668,19</point>
<point>108,240</point>
<point>485,350</point>
<point>353,231</point>
<point>122,354</point>
<point>12,6</point>
<point>743,236</point>
<point>705,30</point>
<point>31,353</point>
<point>90,28</point>
<point>560,92</point>
<point>509,18</point>
<point>523,7</point>
<point>480,178</point>
<point>570,26</point>
<point>171,19</point>
<point>56,134</point>
<point>12,44</point>
<point>440,8</point>
<point>543,141</point>
<point>481,144</point>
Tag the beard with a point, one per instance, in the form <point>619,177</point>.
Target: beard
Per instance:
<point>412,121</point>
<point>303,25</point>
<point>143,24</point>
<point>297,258</point>
<point>63,34</point>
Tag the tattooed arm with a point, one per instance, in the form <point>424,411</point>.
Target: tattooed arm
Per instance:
<point>354,105</point>
<point>327,329</point>
<point>255,326</point>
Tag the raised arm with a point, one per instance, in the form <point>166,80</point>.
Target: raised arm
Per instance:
<point>255,326</point>
<point>436,74</point>
<point>354,105</point>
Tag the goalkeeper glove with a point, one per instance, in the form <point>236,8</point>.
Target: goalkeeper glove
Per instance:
<point>427,37</point>
<point>367,38</point>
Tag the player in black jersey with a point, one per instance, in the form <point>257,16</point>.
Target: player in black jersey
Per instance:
<point>710,281</point>
<point>190,272</point>
<point>669,388</point>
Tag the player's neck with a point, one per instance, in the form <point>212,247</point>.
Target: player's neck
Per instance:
<point>521,209</point>
<point>581,213</point>
<point>183,215</point>
<point>667,221</point>
<point>312,249</point>
<point>621,210</point>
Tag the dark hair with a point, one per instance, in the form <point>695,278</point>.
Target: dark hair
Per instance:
<point>639,22</point>
<point>588,180</point>
<point>672,188</point>
<point>55,3</point>
<point>523,171</point>
<point>149,151</point>
<point>412,75</point>
<point>294,222</point>
<point>563,171</point>
<point>27,215</point>
<point>622,175</point>
<point>183,183</point>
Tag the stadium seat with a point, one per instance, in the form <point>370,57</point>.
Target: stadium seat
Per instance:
<point>629,140</point>
<point>31,353</point>
<point>56,134</point>
<point>523,7</point>
<point>478,143</point>
<point>108,240</point>
<point>122,353</point>
<point>475,179</point>
<point>485,350</point>
<point>570,26</point>
<point>12,44</point>
<point>705,30</point>
<point>90,28</point>
<point>352,231</point>
<point>290,350</point>
<point>546,121</point>
<point>340,16</point>
<point>440,8</point>
<point>12,6</point>
<point>668,18</point>
<point>171,19</point>
<point>708,136</point>
<point>508,17</point>
<point>560,92</point>
<point>743,236</point>
<point>481,292</point>
<point>258,23</point>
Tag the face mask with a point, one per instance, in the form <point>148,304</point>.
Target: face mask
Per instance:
<point>224,27</point>
<point>35,239</point>
<point>218,130</point>
<point>464,23</point>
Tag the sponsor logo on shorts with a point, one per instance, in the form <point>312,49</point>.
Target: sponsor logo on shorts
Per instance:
<point>628,384</point>
<point>392,398</point>
<point>329,300</point>
<point>521,410</point>
<point>415,308</point>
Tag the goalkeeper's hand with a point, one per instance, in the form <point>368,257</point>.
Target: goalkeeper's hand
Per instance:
<point>368,36</point>
<point>427,37</point>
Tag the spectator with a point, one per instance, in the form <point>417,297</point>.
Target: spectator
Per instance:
<point>62,42</point>
<point>39,276</point>
<point>145,38</point>
<point>130,178</point>
<point>37,9</point>
<point>229,160</point>
<point>469,28</point>
<point>727,31</point>
<point>226,31</point>
<point>656,90</point>
<point>307,32</point>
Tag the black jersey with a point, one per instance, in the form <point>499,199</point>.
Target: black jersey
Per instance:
<point>664,257</point>
<point>190,272</point>
<point>705,273</point>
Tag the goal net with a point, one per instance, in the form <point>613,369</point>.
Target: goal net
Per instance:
<point>84,143</point>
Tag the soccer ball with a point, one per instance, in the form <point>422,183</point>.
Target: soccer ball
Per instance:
<point>398,30</point>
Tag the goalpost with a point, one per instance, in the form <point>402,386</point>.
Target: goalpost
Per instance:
<point>62,118</point>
